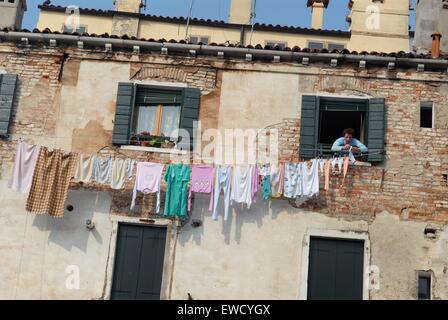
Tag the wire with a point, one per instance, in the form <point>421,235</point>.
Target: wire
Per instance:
<point>253,14</point>
<point>190,11</point>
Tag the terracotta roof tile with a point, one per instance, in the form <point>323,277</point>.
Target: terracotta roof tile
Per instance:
<point>400,54</point>
<point>200,21</point>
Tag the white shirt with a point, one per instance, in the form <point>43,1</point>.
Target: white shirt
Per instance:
<point>242,185</point>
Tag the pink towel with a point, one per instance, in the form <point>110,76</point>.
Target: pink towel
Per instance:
<point>201,182</point>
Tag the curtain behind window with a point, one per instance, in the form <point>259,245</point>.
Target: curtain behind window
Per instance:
<point>146,119</point>
<point>170,120</point>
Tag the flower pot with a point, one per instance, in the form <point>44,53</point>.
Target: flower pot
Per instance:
<point>156,144</point>
<point>169,145</point>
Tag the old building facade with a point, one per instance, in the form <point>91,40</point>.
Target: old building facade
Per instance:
<point>394,212</point>
<point>431,19</point>
<point>371,26</point>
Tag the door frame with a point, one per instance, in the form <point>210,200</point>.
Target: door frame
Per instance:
<point>336,235</point>
<point>168,263</point>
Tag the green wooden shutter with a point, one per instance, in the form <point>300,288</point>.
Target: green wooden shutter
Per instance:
<point>189,114</point>
<point>123,114</point>
<point>8,84</point>
<point>308,126</point>
<point>139,260</point>
<point>336,269</point>
<point>376,129</point>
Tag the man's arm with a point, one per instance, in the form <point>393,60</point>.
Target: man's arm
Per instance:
<point>360,146</point>
<point>337,145</point>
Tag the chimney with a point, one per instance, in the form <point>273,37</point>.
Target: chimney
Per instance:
<point>240,11</point>
<point>436,45</point>
<point>132,6</point>
<point>317,11</point>
<point>125,24</point>
<point>11,14</point>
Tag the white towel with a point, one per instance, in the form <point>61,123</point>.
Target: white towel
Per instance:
<point>119,173</point>
<point>84,170</point>
<point>22,173</point>
<point>102,170</point>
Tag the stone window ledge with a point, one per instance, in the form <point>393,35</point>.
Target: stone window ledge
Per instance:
<point>155,150</point>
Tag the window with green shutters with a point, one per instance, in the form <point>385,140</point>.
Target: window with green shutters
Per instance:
<point>323,119</point>
<point>157,110</point>
<point>8,83</point>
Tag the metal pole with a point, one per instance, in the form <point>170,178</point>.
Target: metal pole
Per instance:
<point>252,19</point>
<point>190,11</point>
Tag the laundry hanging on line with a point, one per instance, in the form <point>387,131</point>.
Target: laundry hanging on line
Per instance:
<point>84,168</point>
<point>52,174</point>
<point>201,182</point>
<point>240,184</point>
<point>147,181</point>
<point>177,177</point>
<point>25,161</point>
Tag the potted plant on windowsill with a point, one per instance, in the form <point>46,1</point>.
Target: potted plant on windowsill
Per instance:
<point>145,138</point>
<point>169,144</point>
<point>156,142</point>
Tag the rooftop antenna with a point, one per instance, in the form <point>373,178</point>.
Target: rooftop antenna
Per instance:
<point>143,4</point>
<point>190,12</point>
<point>253,14</point>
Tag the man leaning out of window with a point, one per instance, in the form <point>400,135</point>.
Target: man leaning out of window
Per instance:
<point>348,143</point>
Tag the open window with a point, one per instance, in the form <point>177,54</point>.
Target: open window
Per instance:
<point>426,114</point>
<point>148,115</point>
<point>424,285</point>
<point>81,29</point>
<point>324,118</point>
<point>277,44</point>
<point>336,115</point>
<point>157,111</point>
<point>199,39</point>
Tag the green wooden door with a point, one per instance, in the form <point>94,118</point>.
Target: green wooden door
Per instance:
<point>335,269</point>
<point>139,261</point>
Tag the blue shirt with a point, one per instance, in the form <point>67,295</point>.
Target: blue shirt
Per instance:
<point>340,143</point>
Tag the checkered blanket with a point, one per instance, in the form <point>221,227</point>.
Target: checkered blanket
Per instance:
<point>51,179</point>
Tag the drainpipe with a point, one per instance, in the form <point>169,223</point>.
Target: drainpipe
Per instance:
<point>436,45</point>
<point>235,52</point>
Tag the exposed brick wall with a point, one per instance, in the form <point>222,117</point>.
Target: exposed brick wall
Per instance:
<point>409,183</point>
<point>34,110</point>
<point>198,77</point>
<point>411,179</point>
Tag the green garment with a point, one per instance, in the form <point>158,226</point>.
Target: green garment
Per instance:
<point>177,177</point>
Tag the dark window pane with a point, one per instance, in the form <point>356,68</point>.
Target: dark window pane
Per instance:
<point>316,45</point>
<point>199,39</point>
<point>71,29</point>
<point>335,46</point>
<point>426,115</point>
<point>272,44</point>
<point>332,123</point>
<point>424,285</point>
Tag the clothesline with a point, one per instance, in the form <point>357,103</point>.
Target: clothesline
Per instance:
<point>42,172</point>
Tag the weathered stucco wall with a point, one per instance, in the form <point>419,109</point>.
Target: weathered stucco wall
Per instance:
<point>257,254</point>
<point>41,255</point>
<point>431,17</point>
<point>72,105</point>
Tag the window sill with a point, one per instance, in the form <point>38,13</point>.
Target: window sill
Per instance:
<point>152,149</point>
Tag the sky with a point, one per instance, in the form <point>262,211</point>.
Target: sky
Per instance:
<point>283,12</point>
